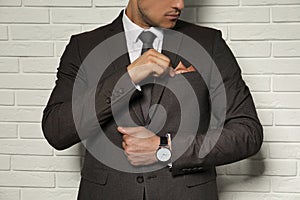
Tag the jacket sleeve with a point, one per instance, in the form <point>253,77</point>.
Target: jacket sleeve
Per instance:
<point>241,135</point>
<point>58,117</point>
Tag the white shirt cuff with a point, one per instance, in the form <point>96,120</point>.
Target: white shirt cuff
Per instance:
<point>137,86</point>
<point>169,139</point>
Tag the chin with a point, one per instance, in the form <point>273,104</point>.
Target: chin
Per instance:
<point>169,25</point>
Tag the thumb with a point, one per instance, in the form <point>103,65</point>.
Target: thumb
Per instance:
<point>172,72</point>
<point>122,130</point>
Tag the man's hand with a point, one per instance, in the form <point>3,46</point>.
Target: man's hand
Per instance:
<point>151,63</point>
<point>140,145</point>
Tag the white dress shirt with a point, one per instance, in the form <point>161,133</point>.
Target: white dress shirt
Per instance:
<point>134,44</point>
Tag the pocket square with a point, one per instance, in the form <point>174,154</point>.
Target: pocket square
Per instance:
<point>180,69</point>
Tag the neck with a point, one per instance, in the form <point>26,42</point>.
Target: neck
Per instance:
<point>135,16</point>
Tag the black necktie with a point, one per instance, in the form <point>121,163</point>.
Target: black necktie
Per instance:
<point>147,38</point>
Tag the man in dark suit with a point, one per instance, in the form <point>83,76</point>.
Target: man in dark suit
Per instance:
<point>162,160</point>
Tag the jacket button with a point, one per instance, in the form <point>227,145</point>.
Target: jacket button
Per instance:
<point>107,100</point>
<point>140,179</point>
<point>116,94</point>
<point>121,91</point>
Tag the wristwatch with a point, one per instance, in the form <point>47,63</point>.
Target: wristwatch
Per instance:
<point>163,153</point>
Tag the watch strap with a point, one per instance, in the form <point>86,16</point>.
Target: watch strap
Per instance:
<point>163,141</point>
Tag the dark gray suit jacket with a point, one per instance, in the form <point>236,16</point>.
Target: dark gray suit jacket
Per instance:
<point>190,176</point>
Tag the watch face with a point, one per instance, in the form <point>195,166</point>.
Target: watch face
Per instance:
<point>163,154</point>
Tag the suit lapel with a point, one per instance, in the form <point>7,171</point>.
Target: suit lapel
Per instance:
<point>123,61</point>
<point>117,28</point>
<point>168,44</point>
<point>158,88</point>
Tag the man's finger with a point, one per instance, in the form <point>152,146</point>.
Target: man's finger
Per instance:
<point>122,130</point>
<point>123,145</point>
<point>158,70</point>
<point>129,130</point>
<point>157,54</point>
<point>158,58</point>
<point>162,57</point>
<point>172,72</point>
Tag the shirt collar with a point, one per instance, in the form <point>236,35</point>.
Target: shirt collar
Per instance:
<point>134,30</point>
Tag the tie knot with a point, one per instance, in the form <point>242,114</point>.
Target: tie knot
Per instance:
<point>147,37</point>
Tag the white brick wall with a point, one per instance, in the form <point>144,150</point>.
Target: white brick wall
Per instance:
<point>263,34</point>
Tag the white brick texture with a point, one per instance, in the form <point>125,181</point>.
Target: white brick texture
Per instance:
<point>40,163</point>
<point>233,14</point>
<point>24,15</point>
<point>269,2</point>
<point>286,49</point>
<point>10,3</point>
<point>6,98</point>
<point>19,49</point>
<point>8,130</point>
<point>30,130</point>
<point>9,65</point>
<point>38,32</point>
<point>67,179</point>
<point>264,35</point>
<point>78,15</point>
<point>27,179</point>
<point>3,33</point>
<point>57,3</point>
<point>4,162</point>
<point>286,14</point>
<point>36,65</point>
<point>49,194</point>
<point>9,194</point>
